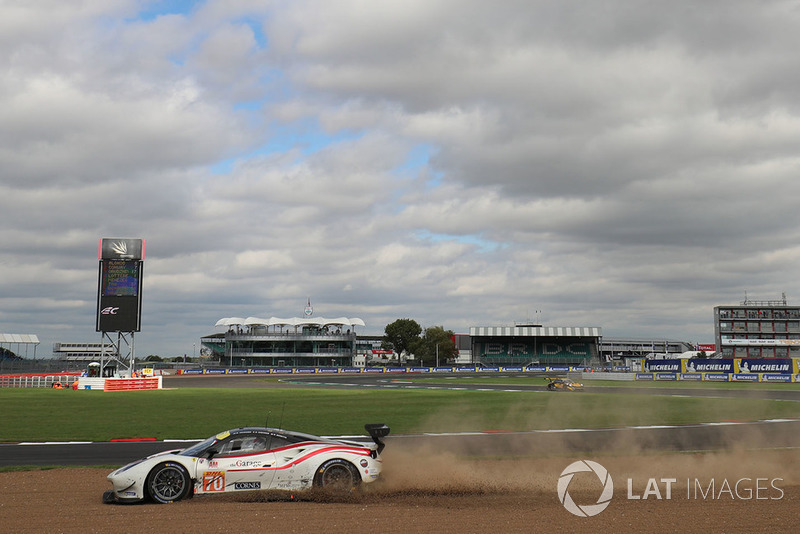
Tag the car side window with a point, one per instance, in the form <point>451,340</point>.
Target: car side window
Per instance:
<point>276,442</point>
<point>237,445</point>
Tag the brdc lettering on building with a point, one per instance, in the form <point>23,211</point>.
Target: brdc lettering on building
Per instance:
<point>743,489</point>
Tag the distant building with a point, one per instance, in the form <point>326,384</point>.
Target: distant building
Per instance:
<point>463,345</point>
<point>293,342</point>
<point>83,352</point>
<point>758,329</point>
<point>535,344</point>
<point>370,352</point>
<point>622,348</point>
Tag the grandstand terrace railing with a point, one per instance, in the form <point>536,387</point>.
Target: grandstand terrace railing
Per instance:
<point>292,336</point>
<point>280,353</point>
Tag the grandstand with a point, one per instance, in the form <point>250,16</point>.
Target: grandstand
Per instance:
<point>535,344</point>
<point>20,341</point>
<point>296,341</point>
<point>83,353</point>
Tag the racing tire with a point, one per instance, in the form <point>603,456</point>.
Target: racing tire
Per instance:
<point>337,475</point>
<point>551,387</point>
<point>168,482</point>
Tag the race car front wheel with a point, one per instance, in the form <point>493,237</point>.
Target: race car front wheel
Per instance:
<point>337,475</point>
<point>168,482</point>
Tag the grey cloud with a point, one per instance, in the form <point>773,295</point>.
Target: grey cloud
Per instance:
<point>627,165</point>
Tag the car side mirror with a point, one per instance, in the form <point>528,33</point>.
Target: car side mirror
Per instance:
<point>210,453</point>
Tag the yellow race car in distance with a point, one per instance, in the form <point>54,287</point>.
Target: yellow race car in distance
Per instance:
<point>563,384</point>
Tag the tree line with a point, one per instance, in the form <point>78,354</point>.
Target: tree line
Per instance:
<point>408,339</point>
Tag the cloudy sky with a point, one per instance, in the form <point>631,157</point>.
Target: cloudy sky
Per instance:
<point>622,164</point>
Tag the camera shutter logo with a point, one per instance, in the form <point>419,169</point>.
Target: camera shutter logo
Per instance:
<point>586,510</point>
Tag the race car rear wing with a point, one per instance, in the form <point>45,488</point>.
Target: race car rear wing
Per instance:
<point>376,432</point>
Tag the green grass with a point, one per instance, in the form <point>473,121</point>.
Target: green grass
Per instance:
<point>52,415</point>
<point>540,381</point>
<point>689,384</point>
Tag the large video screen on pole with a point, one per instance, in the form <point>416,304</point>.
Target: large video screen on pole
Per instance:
<point>120,278</point>
<point>119,295</point>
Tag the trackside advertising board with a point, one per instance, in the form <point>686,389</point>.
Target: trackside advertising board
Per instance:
<point>723,370</point>
<point>766,365</point>
<point>744,366</point>
<point>367,370</point>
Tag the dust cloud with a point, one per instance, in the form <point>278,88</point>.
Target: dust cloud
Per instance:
<point>423,475</point>
<point>496,461</point>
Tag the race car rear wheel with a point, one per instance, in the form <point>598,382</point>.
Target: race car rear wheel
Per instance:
<point>168,482</point>
<point>337,475</point>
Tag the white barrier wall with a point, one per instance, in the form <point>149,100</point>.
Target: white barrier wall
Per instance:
<point>91,382</point>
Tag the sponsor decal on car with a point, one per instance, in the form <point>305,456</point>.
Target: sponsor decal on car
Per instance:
<point>247,486</point>
<point>247,463</point>
<point>214,481</point>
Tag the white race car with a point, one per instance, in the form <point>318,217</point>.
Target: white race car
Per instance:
<point>253,458</point>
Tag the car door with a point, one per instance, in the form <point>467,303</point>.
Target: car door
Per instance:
<point>242,462</point>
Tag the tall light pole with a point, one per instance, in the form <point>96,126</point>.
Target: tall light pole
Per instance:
<point>437,355</point>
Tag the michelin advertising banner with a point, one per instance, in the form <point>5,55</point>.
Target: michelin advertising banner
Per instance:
<point>704,365</point>
<point>724,365</point>
<point>766,365</point>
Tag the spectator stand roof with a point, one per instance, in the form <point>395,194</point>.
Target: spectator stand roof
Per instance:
<point>293,321</point>
<point>30,339</point>
<point>19,339</point>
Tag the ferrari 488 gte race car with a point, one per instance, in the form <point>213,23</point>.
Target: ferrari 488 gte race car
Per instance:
<point>563,384</point>
<point>253,458</point>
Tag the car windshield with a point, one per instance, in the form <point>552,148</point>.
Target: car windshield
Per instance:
<point>197,449</point>
<point>275,439</point>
